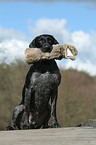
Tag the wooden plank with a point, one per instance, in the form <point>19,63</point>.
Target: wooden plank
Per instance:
<point>62,136</point>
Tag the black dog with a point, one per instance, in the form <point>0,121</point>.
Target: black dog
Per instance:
<point>41,84</point>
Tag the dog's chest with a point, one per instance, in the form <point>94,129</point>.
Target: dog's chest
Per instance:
<point>46,78</point>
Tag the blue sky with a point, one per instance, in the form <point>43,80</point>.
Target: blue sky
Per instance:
<point>79,16</point>
<point>70,22</point>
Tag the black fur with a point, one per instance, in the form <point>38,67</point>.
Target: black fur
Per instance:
<point>41,84</point>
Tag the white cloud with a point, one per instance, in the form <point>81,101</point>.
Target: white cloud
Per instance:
<point>10,34</point>
<point>12,45</point>
<point>86,46</point>
<point>86,59</point>
<point>56,27</point>
<point>12,50</point>
<point>84,42</point>
<point>88,66</point>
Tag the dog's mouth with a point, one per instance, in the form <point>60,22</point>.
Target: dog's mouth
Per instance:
<point>46,49</point>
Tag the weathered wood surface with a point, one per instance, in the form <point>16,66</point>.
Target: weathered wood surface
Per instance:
<point>59,51</point>
<point>62,136</point>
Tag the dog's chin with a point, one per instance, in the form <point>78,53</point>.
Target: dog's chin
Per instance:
<point>46,50</point>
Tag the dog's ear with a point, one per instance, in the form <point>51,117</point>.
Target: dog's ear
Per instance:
<point>55,41</point>
<point>34,43</point>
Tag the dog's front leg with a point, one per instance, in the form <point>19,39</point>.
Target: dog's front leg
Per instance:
<point>54,121</point>
<point>27,102</point>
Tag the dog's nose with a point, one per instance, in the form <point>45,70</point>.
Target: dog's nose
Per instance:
<point>47,48</point>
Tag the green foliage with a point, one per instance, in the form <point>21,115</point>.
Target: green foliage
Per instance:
<point>76,98</point>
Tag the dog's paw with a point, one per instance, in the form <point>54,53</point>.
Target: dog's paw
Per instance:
<point>55,125</point>
<point>45,127</point>
<point>9,128</point>
<point>25,126</point>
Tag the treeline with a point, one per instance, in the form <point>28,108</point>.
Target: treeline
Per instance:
<point>76,98</point>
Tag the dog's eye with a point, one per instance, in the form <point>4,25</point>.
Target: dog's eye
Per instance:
<point>50,41</point>
<point>40,41</point>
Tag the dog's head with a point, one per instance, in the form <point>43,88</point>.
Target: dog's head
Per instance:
<point>44,42</point>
